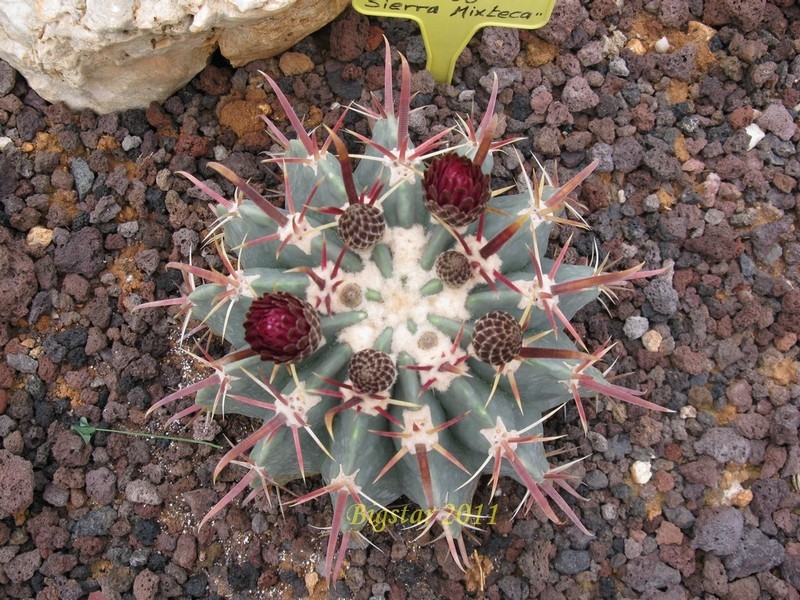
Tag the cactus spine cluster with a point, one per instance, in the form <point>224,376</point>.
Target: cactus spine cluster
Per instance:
<point>395,327</point>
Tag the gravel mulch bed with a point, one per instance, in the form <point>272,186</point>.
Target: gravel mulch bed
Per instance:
<point>92,210</point>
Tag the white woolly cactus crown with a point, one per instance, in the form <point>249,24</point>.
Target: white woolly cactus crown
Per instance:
<point>395,326</point>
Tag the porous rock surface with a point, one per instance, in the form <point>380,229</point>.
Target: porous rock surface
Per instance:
<point>112,55</point>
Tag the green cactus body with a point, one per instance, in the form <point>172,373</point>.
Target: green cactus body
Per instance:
<point>451,395</point>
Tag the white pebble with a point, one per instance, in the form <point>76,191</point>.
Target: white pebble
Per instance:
<point>714,216</point>
<point>635,327</point>
<point>618,66</point>
<point>609,512</point>
<point>756,135</point>
<point>652,340</point>
<point>128,229</point>
<point>131,141</point>
<point>662,46</point>
<point>220,153</point>
<point>466,96</point>
<point>641,472</point>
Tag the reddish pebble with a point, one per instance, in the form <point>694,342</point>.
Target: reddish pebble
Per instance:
<point>668,534</point>
<point>664,481</point>
<point>673,452</point>
<point>785,342</point>
<point>741,117</point>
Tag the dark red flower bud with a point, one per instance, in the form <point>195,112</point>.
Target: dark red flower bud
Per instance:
<point>282,328</point>
<point>455,189</point>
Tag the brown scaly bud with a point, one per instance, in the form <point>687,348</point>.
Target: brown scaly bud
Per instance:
<point>372,371</point>
<point>455,189</point>
<point>497,338</point>
<point>282,328</point>
<point>453,268</point>
<point>361,226</point>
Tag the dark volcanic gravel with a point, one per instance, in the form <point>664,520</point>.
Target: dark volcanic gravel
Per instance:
<point>92,211</point>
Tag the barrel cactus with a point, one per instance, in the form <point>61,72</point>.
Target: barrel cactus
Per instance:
<point>395,327</point>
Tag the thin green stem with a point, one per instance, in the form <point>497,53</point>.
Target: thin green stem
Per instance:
<point>85,431</point>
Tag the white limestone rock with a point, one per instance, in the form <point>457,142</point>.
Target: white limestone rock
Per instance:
<point>111,55</point>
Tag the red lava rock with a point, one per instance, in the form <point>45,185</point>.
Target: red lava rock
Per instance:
<point>785,424</point>
<point>145,586</point>
<point>16,492</point>
<point>668,534</point>
<point>746,589</point>
<point>200,501</point>
<point>547,141</point>
<point>646,432</point>
<point>739,394</point>
<point>540,100</point>
<point>373,79</point>
<point>642,118</point>
<point>499,46</point>
<point>741,117</point>
<point>774,460</point>
<point>156,116</point>
<point>185,551</point>
<point>89,547</point>
<point>681,63</point>
<point>673,452</point>
<point>783,343</point>
<point>70,479</point>
<point>778,120</point>
<point>646,359</point>
<point>753,426</point>
<point>703,470</point>
<point>349,35</point>
<point>101,485</point>
<point>674,13</point>
<point>663,481</point>
<point>715,580</point>
<point>47,533</point>
<point>566,16</point>
<point>719,530</point>
<point>689,361</point>
<point>375,38</point>
<point>578,95</point>
<point>717,243</point>
<point>58,563</point>
<point>23,566</point>
<point>69,450</point>
<point>215,81</point>
<point>747,13</point>
<point>596,195</point>
<point>17,278</point>
<point>628,154</point>
<point>649,572</point>
<point>680,557</point>
<point>783,182</point>
<point>193,145</point>
<point>790,302</point>
<point>82,253</point>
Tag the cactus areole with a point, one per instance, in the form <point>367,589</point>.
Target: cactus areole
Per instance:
<point>395,328</point>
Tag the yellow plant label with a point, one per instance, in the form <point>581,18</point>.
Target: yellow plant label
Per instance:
<point>448,25</point>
